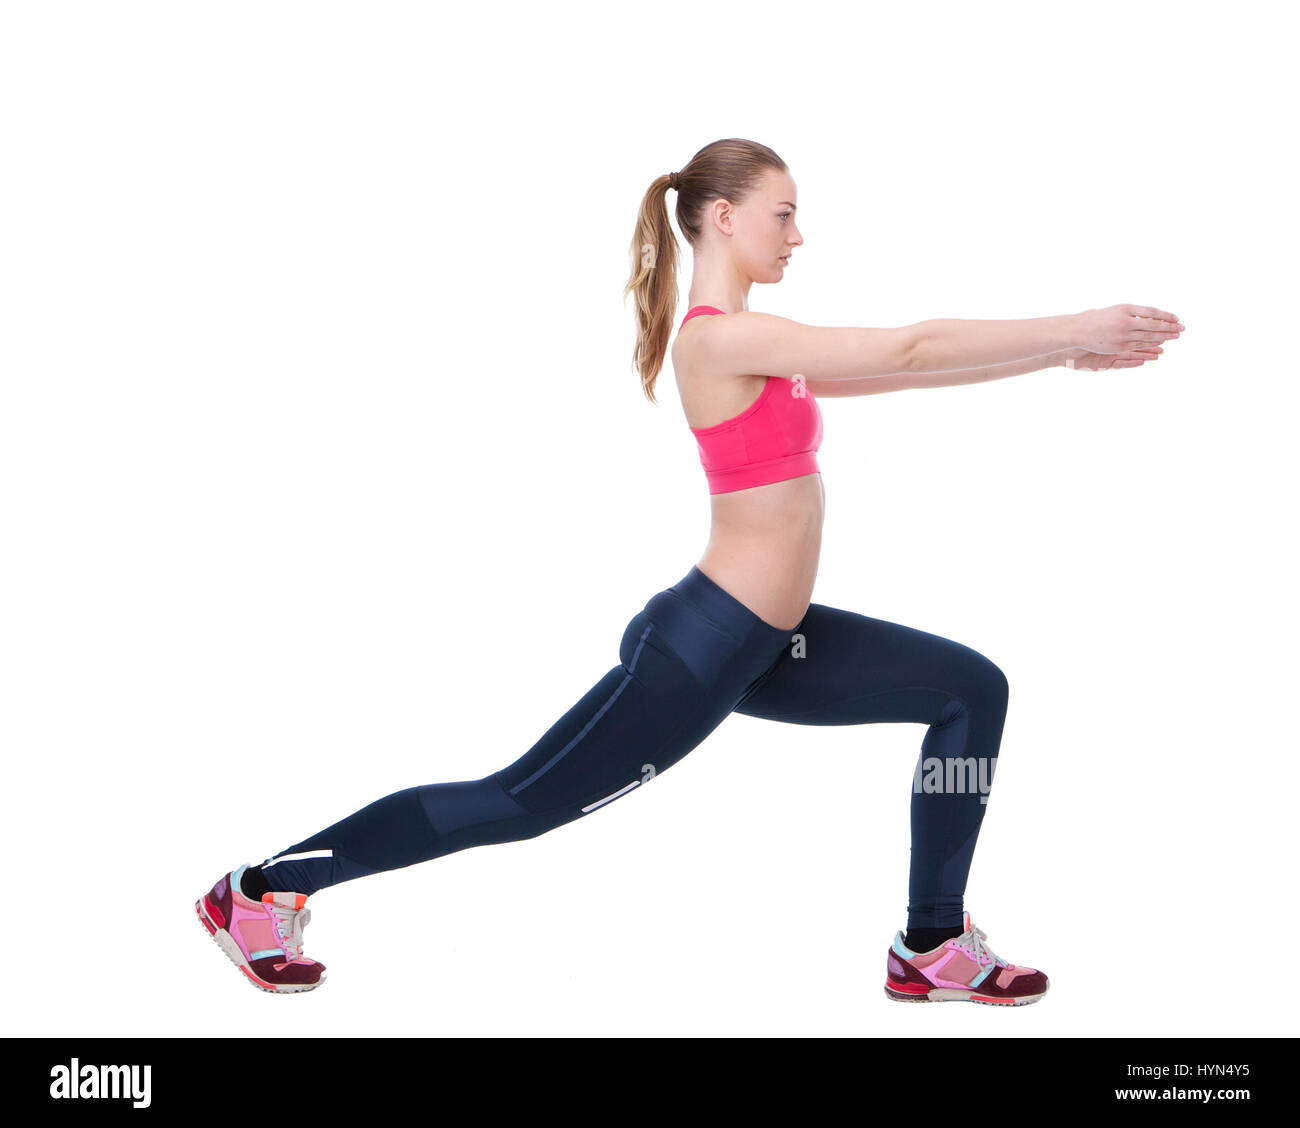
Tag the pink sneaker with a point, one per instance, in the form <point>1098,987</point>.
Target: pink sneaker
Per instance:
<point>262,938</point>
<point>963,969</point>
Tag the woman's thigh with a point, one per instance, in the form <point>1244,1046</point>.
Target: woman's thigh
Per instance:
<point>679,679</point>
<point>844,668</point>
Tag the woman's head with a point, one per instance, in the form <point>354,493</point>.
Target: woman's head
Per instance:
<point>736,208</point>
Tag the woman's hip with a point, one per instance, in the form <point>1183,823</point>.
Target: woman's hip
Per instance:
<point>724,646</point>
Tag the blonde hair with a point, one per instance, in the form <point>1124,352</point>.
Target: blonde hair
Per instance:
<point>728,169</point>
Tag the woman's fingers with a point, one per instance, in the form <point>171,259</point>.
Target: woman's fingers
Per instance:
<point>1101,362</point>
<point>1150,337</point>
<point>1159,325</point>
<point>1152,312</point>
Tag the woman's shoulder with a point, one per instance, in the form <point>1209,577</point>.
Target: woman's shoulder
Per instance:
<point>707,395</point>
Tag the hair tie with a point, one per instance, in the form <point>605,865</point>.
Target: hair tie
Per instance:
<point>672,181</point>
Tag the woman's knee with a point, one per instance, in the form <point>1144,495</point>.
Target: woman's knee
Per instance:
<point>988,683</point>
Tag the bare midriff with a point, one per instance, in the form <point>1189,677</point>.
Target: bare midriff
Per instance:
<point>764,547</point>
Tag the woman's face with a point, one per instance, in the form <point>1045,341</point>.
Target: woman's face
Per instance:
<point>764,229</point>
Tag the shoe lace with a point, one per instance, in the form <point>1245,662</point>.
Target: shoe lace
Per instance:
<point>290,923</point>
<point>974,939</point>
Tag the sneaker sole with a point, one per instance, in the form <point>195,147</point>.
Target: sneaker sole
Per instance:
<point>956,995</point>
<point>227,944</point>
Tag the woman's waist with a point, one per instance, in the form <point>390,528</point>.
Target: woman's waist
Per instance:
<point>773,582</point>
<point>792,510</point>
<point>794,539</point>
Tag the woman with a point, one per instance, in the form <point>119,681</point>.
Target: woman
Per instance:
<point>738,632</point>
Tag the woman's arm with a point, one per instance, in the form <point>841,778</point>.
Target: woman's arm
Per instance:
<point>947,344</point>
<point>762,344</point>
<point>901,381</point>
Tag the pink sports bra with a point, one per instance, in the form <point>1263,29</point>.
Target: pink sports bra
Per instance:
<point>776,437</point>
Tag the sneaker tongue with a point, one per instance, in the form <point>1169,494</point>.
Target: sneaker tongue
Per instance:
<point>965,919</point>
<point>286,900</point>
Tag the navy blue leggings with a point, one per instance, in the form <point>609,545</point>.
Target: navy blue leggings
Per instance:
<point>692,656</point>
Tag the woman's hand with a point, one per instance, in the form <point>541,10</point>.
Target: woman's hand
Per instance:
<point>1122,329</point>
<point>1097,362</point>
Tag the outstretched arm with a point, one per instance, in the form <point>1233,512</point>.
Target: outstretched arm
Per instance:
<point>761,344</point>
<point>948,344</point>
<point>901,381</point>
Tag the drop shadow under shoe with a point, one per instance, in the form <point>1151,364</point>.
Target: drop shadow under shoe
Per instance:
<point>262,938</point>
<point>963,969</point>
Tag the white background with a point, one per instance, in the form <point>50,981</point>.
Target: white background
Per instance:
<point>324,473</point>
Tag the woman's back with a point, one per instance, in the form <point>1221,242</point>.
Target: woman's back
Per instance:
<point>765,540</point>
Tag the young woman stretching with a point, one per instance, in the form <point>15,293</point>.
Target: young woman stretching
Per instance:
<point>738,632</point>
